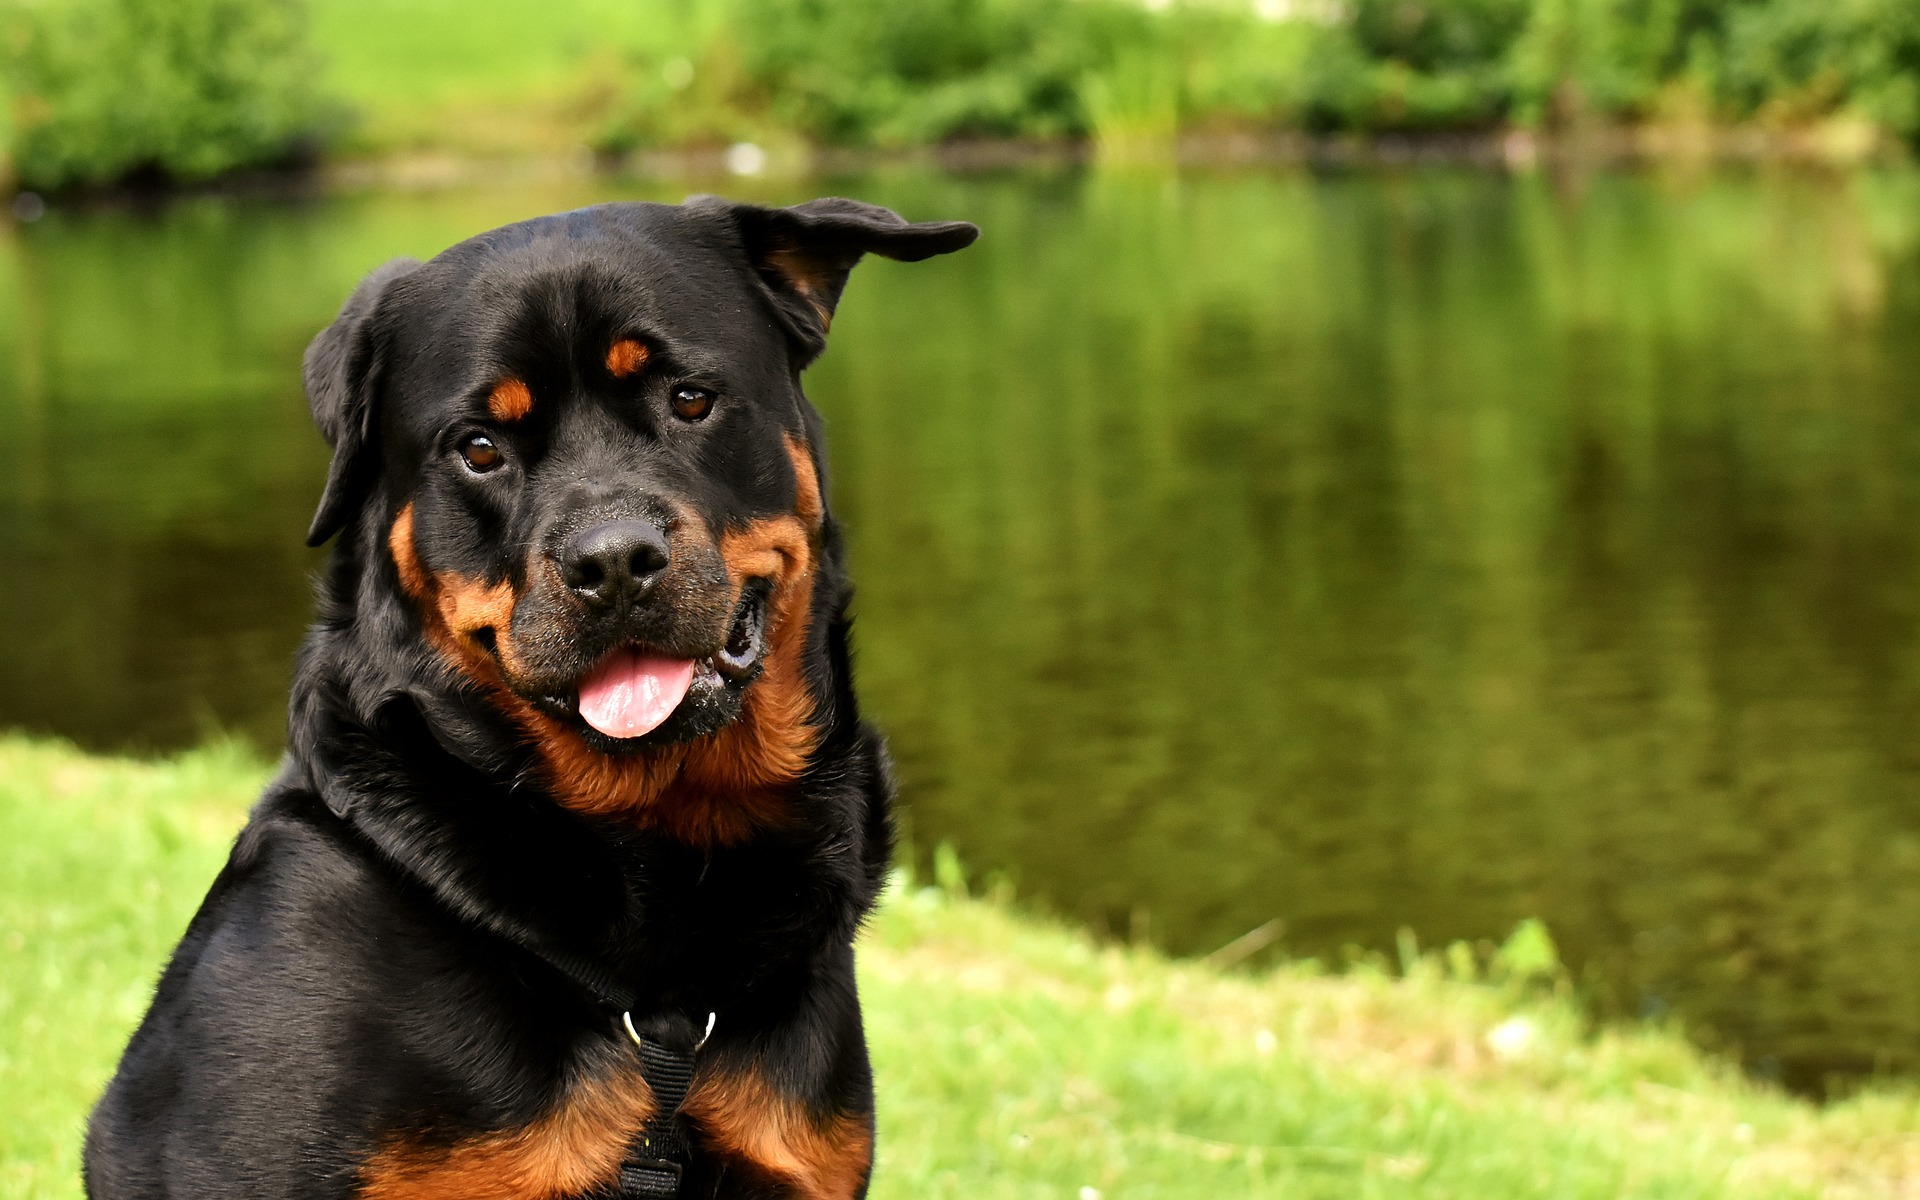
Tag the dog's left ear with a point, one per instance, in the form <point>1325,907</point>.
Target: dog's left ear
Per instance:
<point>803,254</point>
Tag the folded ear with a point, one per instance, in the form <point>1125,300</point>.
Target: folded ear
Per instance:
<point>803,254</point>
<point>342,374</point>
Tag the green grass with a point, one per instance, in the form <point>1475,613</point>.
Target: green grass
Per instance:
<point>1015,1058</point>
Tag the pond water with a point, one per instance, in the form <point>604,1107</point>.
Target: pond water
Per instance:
<point>1370,551</point>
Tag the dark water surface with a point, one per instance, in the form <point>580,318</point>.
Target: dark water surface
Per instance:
<point>1427,550</point>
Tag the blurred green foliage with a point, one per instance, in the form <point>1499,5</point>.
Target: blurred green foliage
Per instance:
<point>103,90</point>
<point>891,72</point>
<point>900,71</point>
<point>1795,57</point>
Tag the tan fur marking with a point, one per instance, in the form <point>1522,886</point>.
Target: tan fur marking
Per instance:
<point>573,1150</point>
<point>400,544</point>
<point>743,1116</point>
<point>468,607</point>
<point>458,607</point>
<point>774,736</point>
<point>626,357</point>
<point>804,274</point>
<point>510,400</point>
<point>807,505</point>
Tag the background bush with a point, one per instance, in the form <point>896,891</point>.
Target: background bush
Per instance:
<point>879,73</point>
<point>1790,59</point>
<point>183,89</point>
<point>893,72</point>
<point>104,89</point>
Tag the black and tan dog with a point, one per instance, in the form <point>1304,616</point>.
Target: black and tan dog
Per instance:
<point>555,893</point>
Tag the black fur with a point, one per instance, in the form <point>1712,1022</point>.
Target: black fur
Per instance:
<point>374,962</point>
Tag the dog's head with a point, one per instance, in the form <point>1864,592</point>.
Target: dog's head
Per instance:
<point>581,446</point>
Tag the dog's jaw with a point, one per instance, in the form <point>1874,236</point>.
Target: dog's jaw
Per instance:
<point>749,705</point>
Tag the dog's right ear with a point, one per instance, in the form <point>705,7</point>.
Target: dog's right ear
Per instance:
<point>342,374</point>
<point>803,254</point>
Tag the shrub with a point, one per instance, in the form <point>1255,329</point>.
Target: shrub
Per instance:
<point>1608,58</point>
<point>893,72</point>
<point>105,90</point>
<point>684,94</point>
<point>1131,73</point>
<point>1433,36</point>
<point>1801,59</point>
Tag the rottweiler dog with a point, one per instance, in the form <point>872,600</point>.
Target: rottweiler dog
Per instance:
<point>555,892</point>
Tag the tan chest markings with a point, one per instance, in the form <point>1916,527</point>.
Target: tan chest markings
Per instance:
<point>578,1147</point>
<point>743,1117</point>
<point>569,1152</point>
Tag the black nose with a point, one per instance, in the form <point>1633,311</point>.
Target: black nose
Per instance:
<point>613,565</point>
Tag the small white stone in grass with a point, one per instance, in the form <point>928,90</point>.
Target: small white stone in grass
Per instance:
<point>1089,1193</point>
<point>1743,1133</point>
<point>1264,1043</point>
<point>1019,1141</point>
<point>1512,1038</point>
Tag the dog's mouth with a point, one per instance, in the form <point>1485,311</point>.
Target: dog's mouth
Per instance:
<point>634,690</point>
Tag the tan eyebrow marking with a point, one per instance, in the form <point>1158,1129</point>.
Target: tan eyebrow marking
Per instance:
<point>510,400</point>
<point>625,357</point>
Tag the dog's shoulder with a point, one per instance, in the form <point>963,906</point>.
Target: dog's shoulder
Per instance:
<point>319,999</point>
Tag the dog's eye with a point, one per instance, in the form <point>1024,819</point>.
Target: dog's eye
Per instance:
<point>481,454</point>
<point>692,404</point>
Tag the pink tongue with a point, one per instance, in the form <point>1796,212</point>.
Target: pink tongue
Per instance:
<point>631,693</point>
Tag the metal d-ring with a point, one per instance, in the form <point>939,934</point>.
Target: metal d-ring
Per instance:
<point>626,1018</point>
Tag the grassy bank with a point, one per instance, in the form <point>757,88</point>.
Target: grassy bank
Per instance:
<point>1014,1058</point>
<point>104,89</point>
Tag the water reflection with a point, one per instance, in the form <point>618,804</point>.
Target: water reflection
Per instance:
<point>1369,550</point>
